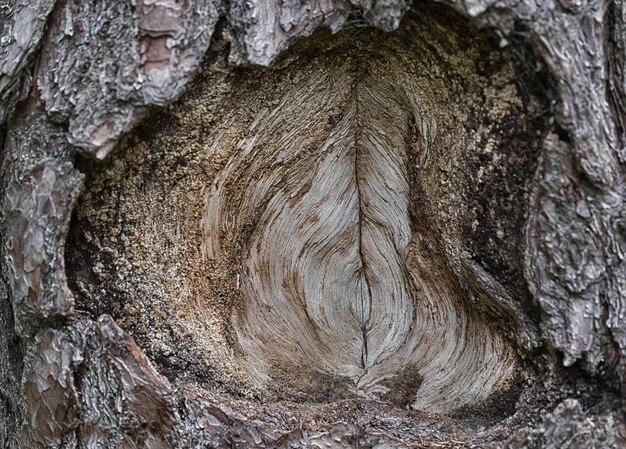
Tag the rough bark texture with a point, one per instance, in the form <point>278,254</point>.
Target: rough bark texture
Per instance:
<point>543,283</point>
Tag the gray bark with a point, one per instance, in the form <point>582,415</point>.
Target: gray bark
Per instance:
<point>76,77</point>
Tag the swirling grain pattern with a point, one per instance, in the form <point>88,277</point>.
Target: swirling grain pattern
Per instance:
<point>336,276</point>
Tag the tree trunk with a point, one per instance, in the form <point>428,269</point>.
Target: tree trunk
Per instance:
<point>312,224</point>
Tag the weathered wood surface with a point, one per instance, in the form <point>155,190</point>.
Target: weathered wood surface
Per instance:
<point>86,79</point>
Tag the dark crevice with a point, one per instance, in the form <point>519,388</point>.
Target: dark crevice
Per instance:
<point>366,303</point>
<point>614,85</point>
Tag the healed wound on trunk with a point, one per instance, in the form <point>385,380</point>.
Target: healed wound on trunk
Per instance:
<point>316,215</point>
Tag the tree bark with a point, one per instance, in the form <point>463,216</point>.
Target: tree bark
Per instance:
<point>224,225</point>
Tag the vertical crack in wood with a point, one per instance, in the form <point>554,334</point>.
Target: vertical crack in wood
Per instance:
<point>363,289</point>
